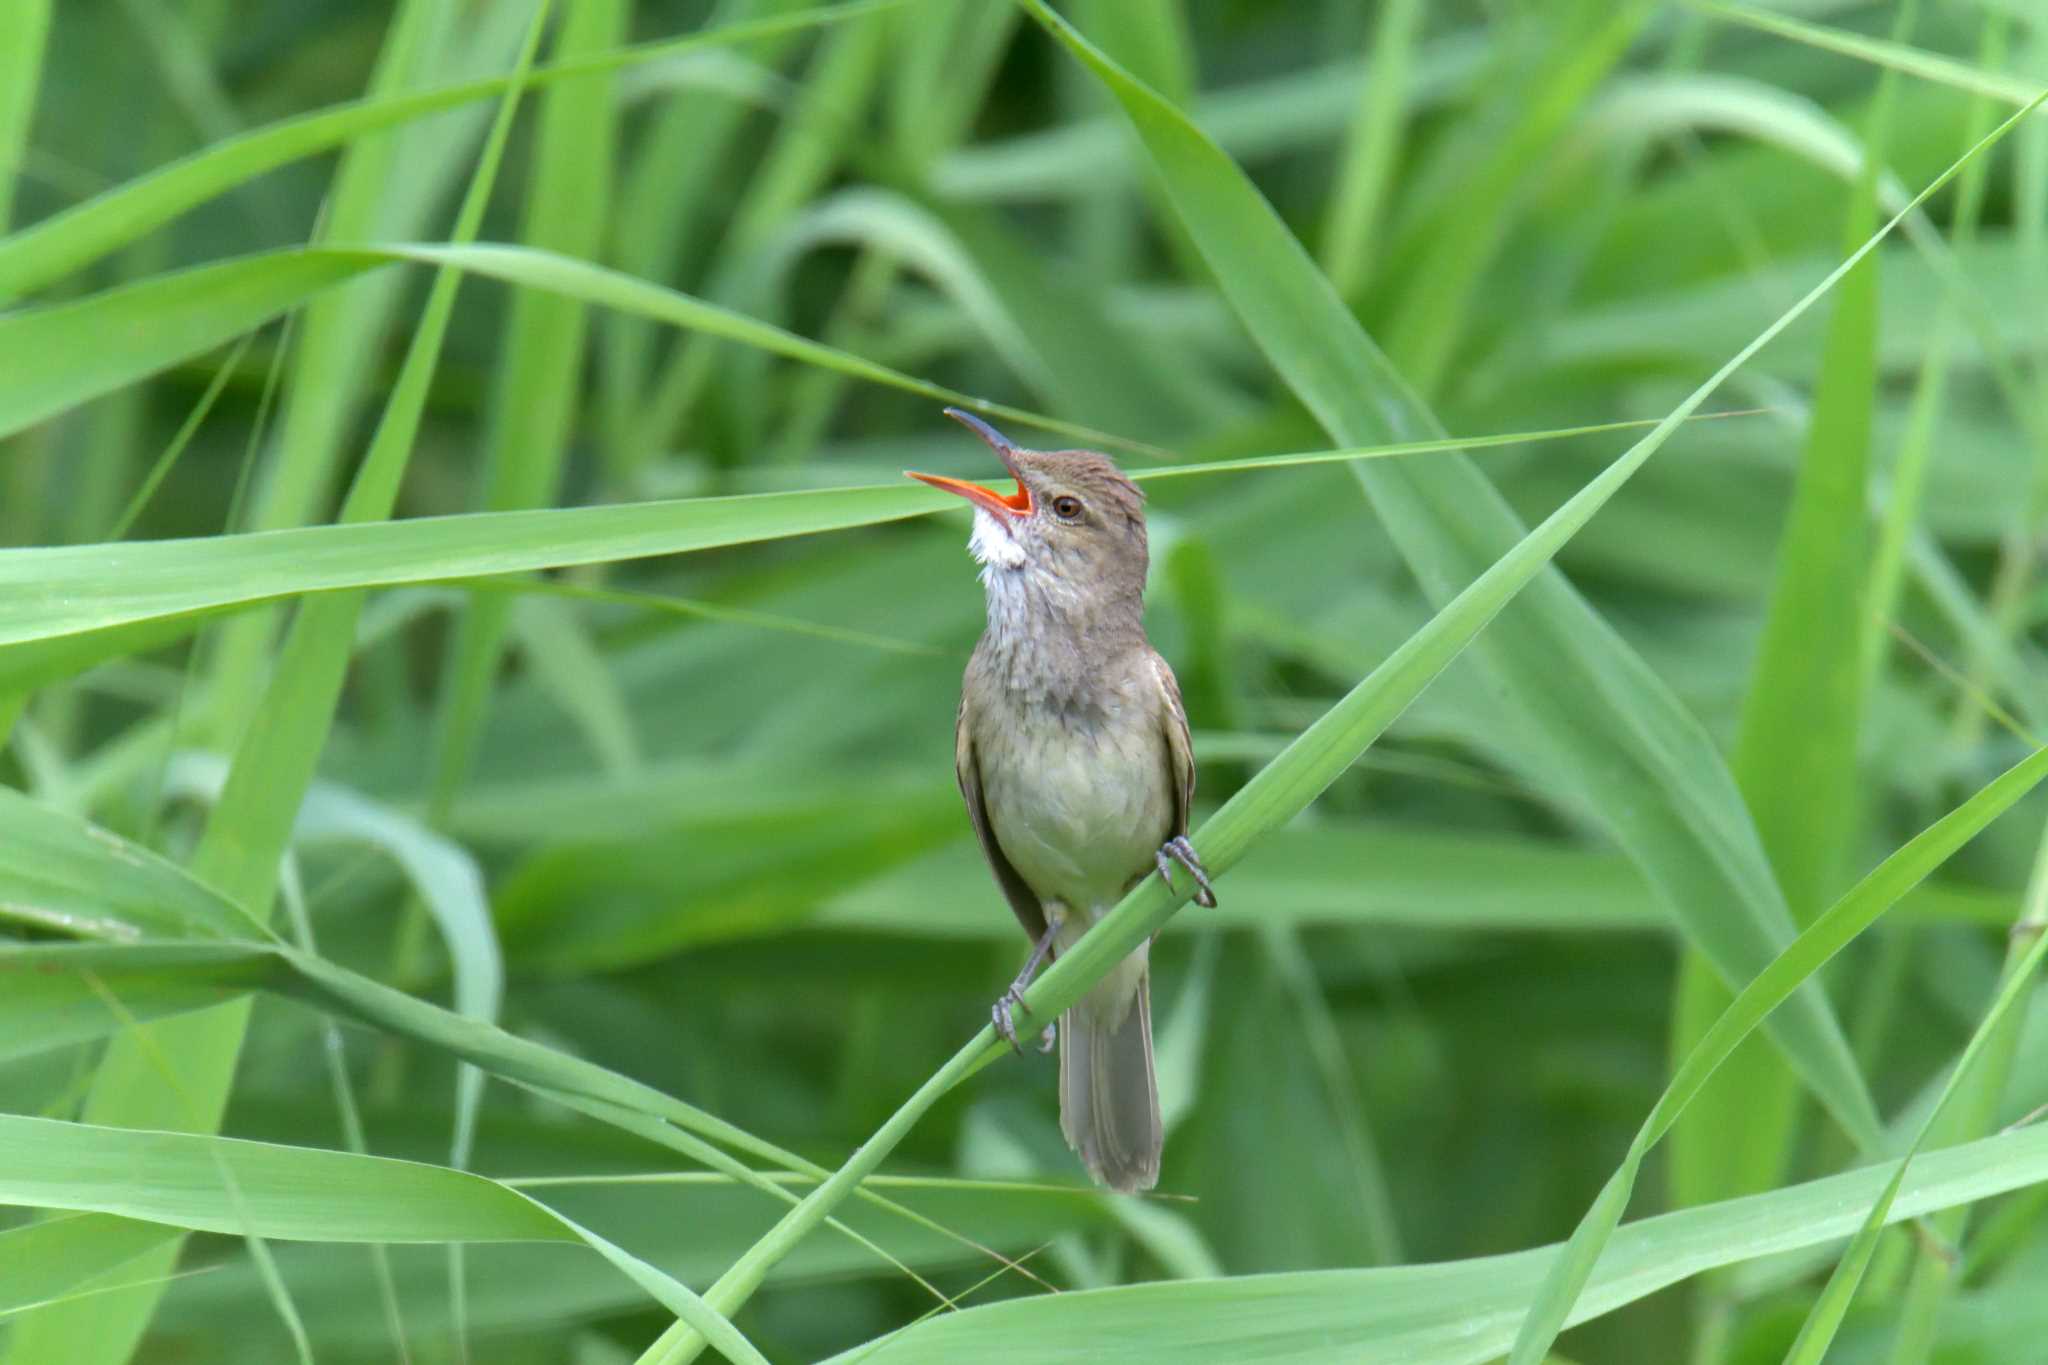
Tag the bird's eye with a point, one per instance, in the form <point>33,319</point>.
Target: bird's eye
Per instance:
<point>1066,507</point>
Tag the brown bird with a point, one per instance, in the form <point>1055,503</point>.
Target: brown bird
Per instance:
<point>1072,752</point>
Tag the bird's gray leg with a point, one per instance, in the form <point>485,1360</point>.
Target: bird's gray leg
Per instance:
<point>1179,850</point>
<point>1013,998</point>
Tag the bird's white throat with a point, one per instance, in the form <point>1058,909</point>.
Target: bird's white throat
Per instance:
<point>993,544</point>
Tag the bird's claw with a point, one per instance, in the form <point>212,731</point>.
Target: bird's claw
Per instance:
<point>1179,850</point>
<point>1006,1026</point>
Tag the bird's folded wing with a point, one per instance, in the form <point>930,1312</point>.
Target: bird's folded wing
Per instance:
<point>1180,749</point>
<point>1022,898</point>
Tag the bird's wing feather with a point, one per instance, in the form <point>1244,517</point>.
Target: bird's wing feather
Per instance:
<point>1022,898</point>
<point>1180,749</point>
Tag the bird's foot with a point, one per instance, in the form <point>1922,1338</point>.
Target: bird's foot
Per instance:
<point>1003,1017</point>
<point>1179,850</point>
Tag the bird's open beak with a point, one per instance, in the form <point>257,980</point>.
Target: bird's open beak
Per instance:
<point>1017,504</point>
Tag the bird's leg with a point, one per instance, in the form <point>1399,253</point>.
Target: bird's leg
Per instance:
<point>1013,998</point>
<point>1179,850</point>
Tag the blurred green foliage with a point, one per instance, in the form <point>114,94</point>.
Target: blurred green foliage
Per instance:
<point>662,785</point>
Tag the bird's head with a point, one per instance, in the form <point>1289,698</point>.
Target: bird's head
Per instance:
<point>1075,523</point>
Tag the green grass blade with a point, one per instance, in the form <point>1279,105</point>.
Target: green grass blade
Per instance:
<point>74,352</point>
<point>1795,757</point>
<point>1894,56</point>
<point>1932,1285</point>
<point>1817,1333</point>
<point>442,873</point>
<point>73,605</point>
<point>55,881</point>
<point>672,180</point>
<point>72,983</point>
<point>820,128</point>
<point>23,27</point>
<point>1460,1313</point>
<point>388,184</point>
<point>56,995</point>
<point>288,1193</point>
<point>1560,54</point>
<point>540,371</point>
<point>48,1259</point>
<point>68,241</point>
<point>1834,930</point>
<point>1371,146</point>
<point>1609,728</point>
<point>214,1184</point>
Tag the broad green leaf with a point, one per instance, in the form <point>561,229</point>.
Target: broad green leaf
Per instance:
<point>215,1184</point>
<point>54,592</point>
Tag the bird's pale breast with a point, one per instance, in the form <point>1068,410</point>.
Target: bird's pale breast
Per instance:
<point>1079,804</point>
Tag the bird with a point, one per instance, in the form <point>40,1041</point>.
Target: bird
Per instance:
<point>1073,755</point>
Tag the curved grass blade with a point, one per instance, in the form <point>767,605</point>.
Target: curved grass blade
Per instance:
<point>1457,1313</point>
<point>1817,1332</point>
<point>69,353</point>
<point>1829,934</point>
<point>48,593</point>
<point>1900,57</point>
<point>215,1184</point>
<point>56,994</point>
<point>445,877</point>
<point>72,878</point>
<point>74,238</point>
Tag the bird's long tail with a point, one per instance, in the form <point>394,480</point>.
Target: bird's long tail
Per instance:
<point>1109,1099</point>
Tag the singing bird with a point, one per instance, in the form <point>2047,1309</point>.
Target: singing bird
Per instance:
<point>1072,752</point>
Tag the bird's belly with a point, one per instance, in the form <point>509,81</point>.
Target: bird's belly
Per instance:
<point>1079,812</point>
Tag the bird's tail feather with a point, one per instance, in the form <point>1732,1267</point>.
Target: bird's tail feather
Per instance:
<point>1109,1098</point>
